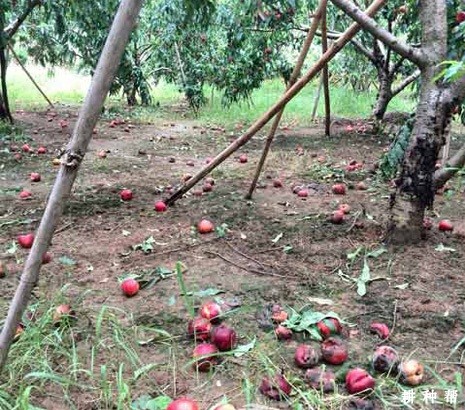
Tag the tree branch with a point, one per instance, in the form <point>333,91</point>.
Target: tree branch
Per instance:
<point>405,82</point>
<point>362,49</point>
<point>450,168</point>
<point>11,30</point>
<point>370,25</point>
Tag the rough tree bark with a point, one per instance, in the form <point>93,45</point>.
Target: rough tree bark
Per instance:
<point>415,185</point>
<point>104,74</point>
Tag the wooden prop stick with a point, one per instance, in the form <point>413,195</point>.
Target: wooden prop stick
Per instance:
<point>288,95</point>
<point>295,74</point>
<point>30,76</point>
<point>107,66</point>
<point>325,75</point>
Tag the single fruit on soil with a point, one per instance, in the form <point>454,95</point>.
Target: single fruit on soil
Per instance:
<point>160,206</point>
<point>381,329</point>
<point>282,332</point>
<point>403,9</point>
<point>361,186</point>
<point>277,183</point>
<point>321,380</point>
<point>337,217</point>
<point>427,223</point>
<point>339,189</point>
<point>183,403</point>
<point>329,326</point>
<point>207,187</point>
<point>278,314</point>
<point>26,241</point>
<point>223,337</point>
<point>210,310</point>
<point>26,148</point>
<point>46,258</point>
<point>126,194</point>
<point>445,225</point>
<point>306,356</point>
<point>205,226</point>
<point>63,312</point>
<point>130,287</point>
<point>18,156</point>
<point>204,353</point>
<point>210,180</point>
<point>102,154</point>
<point>345,208</point>
<point>41,150</point>
<point>243,159</point>
<point>275,388</point>
<point>358,380</point>
<point>56,161</point>
<point>385,359</point>
<point>199,328</point>
<point>334,351</point>
<point>197,192</point>
<point>25,194</point>
<point>35,177</point>
<point>411,372</point>
<point>302,193</point>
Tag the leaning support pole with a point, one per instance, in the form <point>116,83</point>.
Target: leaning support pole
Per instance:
<point>267,116</point>
<point>325,73</point>
<point>30,76</point>
<point>105,72</point>
<point>295,74</point>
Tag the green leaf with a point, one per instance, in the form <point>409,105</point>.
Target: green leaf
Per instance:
<point>208,292</point>
<point>241,350</point>
<point>159,403</point>
<point>287,249</point>
<point>353,255</point>
<point>12,248</point>
<point>146,246</point>
<point>402,286</point>
<point>442,248</point>
<point>277,238</point>
<point>376,252</point>
<point>65,260</point>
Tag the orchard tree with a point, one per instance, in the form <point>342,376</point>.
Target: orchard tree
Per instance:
<point>12,16</point>
<point>367,58</point>
<point>442,75</point>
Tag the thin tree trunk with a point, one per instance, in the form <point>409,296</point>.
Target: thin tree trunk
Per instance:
<point>291,93</point>
<point>5,112</point>
<point>295,74</point>
<point>325,75</point>
<point>317,97</point>
<point>104,74</point>
<point>384,95</point>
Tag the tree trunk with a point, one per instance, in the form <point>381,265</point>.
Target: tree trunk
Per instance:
<point>384,95</point>
<point>5,114</point>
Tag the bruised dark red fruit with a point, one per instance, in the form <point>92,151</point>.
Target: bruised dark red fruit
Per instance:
<point>223,337</point>
<point>381,329</point>
<point>321,380</point>
<point>329,326</point>
<point>385,358</point>
<point>278,314</point>
<point>183,403</point>
<point>275,388</point>
<point>63,313</point>
<point>205,355</point>
<point>334,351</point>
<point>283,333</point>
<point>339,189</point>
<point>199,328</point>
<point>210,310</point>
<point>445,225</point>
<point>337,217</point>
<point>306,356</point>
<point>357,403</point>
<point>427,223</point>
<point>358,380</point>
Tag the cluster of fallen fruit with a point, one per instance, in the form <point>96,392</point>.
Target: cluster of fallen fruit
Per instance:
<point>333,351</point>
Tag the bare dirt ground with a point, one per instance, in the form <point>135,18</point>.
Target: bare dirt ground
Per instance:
<point>419,290</point>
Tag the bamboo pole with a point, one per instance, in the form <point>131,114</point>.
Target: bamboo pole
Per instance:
<point>317,97</point>
<point>295,74</point>
<point>267,116</point>
<point>30,76</point>
<point>325,75</point>
<point>105,72</point>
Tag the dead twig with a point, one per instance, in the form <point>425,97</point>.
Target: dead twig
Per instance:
<point>247,256</point>
<point>258,272</point>
<point>394,321</point>
<point>185,248</point>
<point>63,228</point>
<point>356,216</point>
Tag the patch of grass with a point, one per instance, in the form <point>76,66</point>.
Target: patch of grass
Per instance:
<point>96,356</point>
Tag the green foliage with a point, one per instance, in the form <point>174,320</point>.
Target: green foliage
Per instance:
<point>391,161</point>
